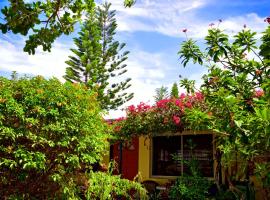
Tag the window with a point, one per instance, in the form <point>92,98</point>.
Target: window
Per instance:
<point>163,150</point>
<point>166,149</point>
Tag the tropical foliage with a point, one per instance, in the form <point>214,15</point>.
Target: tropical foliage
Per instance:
<point>48,131</point>
<point>45,21</point>
<point>52,138</point>
<point>190,188</point>
<point>106,187</point>
<point>237,92</point>
<point>234,101</point>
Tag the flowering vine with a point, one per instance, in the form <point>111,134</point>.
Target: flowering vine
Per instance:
<point>166,115</point>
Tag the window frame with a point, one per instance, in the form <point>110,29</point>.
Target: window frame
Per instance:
<point>182,166</point>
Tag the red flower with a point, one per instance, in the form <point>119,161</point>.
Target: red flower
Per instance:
<point>258,93</point>
<point>182,96</point>
<point>188,104</point>
<point>176,120</point>
<point>162,103</point>
<point>142,107</point>
<point>120,119</point>
<point>132,109</point>
<point>199,96</point>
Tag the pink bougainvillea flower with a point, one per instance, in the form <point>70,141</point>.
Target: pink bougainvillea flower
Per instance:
<point>176,120</point>
<point>258,93</point>
<point>182,96</point>
<point>120,119</point>
<point>199,96</point>
<point>162,103</point>
<point>132,109</point>
<point>178,103</point>
<point>188,104</point>
<point>142,107</point>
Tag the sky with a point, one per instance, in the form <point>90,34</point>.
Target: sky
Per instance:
<point>152,31</point>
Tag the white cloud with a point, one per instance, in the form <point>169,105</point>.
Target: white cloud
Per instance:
<point>169,17</point>
<point>147,70</point>
<point>251,20</point>
<point>47,64</point>
<point>166,17</point>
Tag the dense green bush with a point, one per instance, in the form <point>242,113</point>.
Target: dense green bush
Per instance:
<point>105,186</point>
<point>190,188</point>
<point>49,134</point>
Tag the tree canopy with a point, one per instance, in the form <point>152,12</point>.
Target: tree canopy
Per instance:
<point>174,91</point>
<point>44,21</point>
<point>161,93</point>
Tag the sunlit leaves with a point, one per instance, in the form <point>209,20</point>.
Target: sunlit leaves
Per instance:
<point>129,3</point>
<point>45,21</point>
<point>236,90</point>
<point>46,126</point>
<point>190,51</point>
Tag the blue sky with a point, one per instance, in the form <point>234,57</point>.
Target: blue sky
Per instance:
<point>152,30</point>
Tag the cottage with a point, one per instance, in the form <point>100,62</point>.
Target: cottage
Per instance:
<point>162,158</point>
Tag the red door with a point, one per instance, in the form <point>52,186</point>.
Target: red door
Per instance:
<point>130,158</point>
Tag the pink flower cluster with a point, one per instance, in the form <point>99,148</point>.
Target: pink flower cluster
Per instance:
<point>258,93</point>
<point>142,107</point>
<point>176,120</point>
<point>168,113</point>
<point>184,101</point>
<point>163,103</point>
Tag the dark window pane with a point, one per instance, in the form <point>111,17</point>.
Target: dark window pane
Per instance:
<point>163,150</point>
<point>200,148</point>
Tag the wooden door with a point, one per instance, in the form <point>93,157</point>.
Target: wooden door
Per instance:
<point>130,159</point>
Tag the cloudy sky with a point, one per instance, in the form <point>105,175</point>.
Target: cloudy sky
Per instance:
<point>152,30</point>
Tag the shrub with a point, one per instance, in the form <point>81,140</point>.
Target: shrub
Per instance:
<point>49,131</point>
<point>105,186</point>
<point>190,188</point>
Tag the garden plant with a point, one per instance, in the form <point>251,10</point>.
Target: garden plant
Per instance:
<point>52,135</point>
<point>233,101</point>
